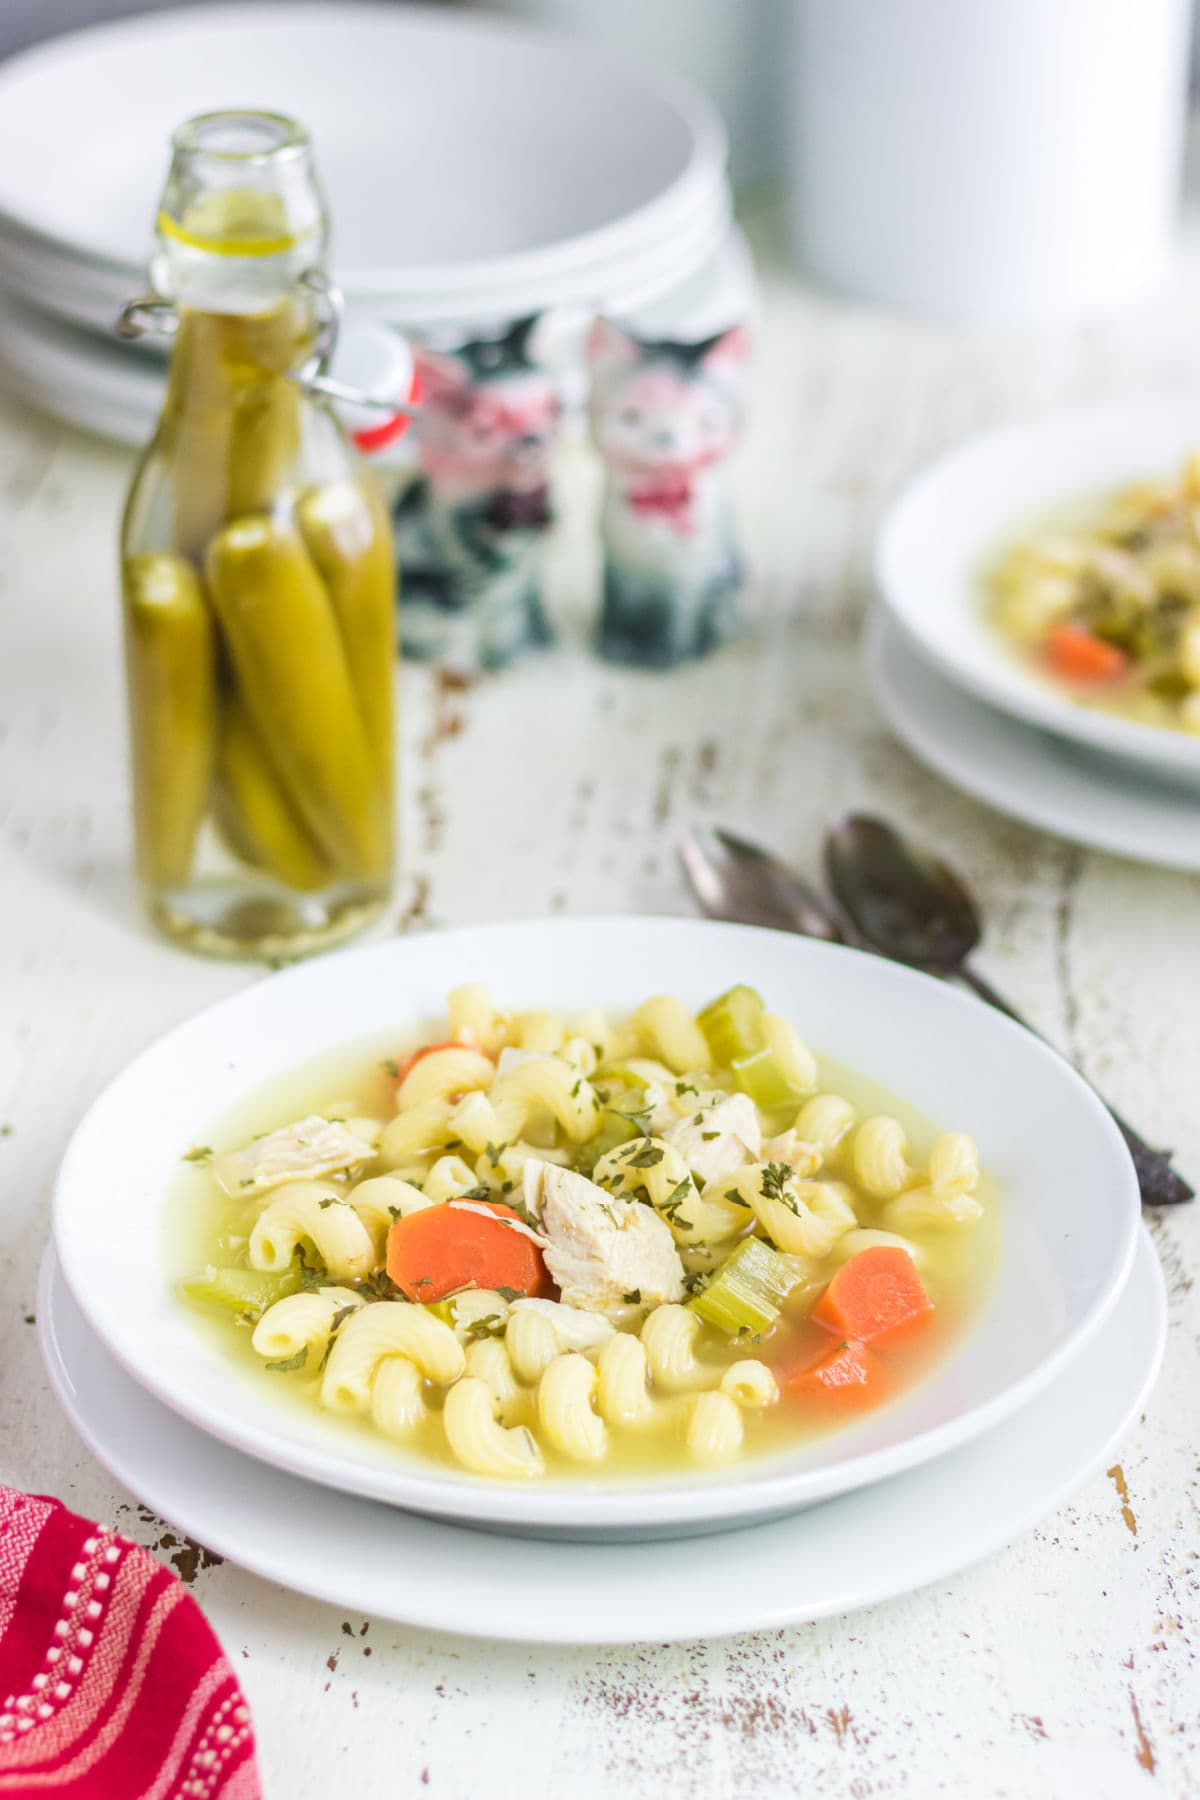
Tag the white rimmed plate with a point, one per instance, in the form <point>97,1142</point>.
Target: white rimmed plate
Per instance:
<point>1067,1185</point>
<point>865,1547</point>
<point>938,536</point>
<point>1030,774</point>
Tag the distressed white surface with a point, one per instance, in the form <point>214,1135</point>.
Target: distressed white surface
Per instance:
<point>1067,1665</point>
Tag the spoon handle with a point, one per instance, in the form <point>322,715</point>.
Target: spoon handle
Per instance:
<point>1159,1182</point>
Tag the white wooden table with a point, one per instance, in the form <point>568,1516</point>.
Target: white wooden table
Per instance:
<point>1064,1666</point>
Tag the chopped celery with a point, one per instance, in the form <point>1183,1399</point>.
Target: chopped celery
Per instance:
<point>760,1076</point>
<point>731,1025</point>
<point>241,1290</point>
<point>616,1128</point>
<point>748,1289</point>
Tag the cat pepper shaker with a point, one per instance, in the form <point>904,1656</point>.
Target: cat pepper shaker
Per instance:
<point>665,416</point>
<point>470,530</point>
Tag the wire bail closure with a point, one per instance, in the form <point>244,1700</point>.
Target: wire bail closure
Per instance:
<point>153,315</point>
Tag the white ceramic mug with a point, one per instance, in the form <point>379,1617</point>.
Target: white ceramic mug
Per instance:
<point>987,160</point>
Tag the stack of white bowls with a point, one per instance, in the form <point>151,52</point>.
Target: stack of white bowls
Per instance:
<point>475,171</point>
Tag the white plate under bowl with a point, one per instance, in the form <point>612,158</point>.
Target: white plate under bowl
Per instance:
<point>939,535</point>
<point>456,151</point>
<point>1030,774</point>
<point>1064,1178</point>
<point>865,1547</point>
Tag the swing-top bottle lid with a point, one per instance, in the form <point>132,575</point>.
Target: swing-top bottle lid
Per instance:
<point>374,360</point>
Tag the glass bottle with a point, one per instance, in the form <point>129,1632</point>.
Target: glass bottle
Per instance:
<point>257,573</point>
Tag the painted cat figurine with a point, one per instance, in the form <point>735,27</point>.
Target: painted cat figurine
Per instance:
<point>665,416</point>
<point>470,530</point>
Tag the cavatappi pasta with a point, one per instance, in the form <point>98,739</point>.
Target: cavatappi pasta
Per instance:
<point>1107,603</point>
<point>537,1244</point>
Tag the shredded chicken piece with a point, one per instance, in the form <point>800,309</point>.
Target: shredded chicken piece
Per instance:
<point>303,1151</point>
<point>601,1249</point>
<point>716,1139</point>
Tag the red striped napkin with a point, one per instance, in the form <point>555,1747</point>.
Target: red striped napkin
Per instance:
<point>112,1685</point>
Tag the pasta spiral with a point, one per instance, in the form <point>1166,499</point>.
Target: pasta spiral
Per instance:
<point>804,1218</point>
<point>714,1427</point>
<point>565,1411</point>
<point>444,1074</point>
<point>389,1328</point>
<point>663,1027</point>
<point>488,1360</point>
<point>825,1121</point>
<point>473,1017</point>
<point>669,1339</point>
<point>953,1166</point>
<point>750,1383</point>
<point>449,1178</point>
<point>312,1212</point>
<point>621,1370</point>
<point>795,1061</point>
<point>880,1157</point>
<point>544,1081</point>
<point>411,1136</point>
<point>478,1439</point>
<point>397,1402</point>
<point>301,1322</point>
<point>531,1344</point>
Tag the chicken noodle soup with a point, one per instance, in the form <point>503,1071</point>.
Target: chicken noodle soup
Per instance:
<point>539,1244</point>
<point>1107,604</point>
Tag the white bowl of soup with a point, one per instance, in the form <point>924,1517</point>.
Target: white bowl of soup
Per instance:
<point>597,1227</point>
<point>1052,569</point>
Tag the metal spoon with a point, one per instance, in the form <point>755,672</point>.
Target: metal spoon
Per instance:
<point>911,907</point>
<point>738,882</point>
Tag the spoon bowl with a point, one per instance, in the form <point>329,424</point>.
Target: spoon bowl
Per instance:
<point>901,901</point>
<point>736,881</point>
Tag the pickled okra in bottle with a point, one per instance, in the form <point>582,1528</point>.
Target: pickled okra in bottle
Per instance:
<point>257,577</point>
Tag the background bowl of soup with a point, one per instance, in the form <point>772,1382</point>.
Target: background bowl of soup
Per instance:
<point>944,534</point>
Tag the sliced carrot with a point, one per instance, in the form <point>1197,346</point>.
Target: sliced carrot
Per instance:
<point>1079,655</point>
<point>848,1375</point>
<point>408,1063</point>
<point>432,1253</point>
<point>877,1295</point>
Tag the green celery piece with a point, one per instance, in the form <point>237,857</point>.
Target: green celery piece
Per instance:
<point>760,1076</point>
<point>748,1289</point>
<point>615,1129</point>
<point>731,1025</point>
<point>241,1290</point>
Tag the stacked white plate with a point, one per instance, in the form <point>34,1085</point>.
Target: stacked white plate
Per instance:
<point>955,692</point>
<point>475,171</point>
<point>1051,1373</point>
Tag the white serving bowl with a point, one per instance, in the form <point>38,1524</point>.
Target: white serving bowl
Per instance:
<point>458,153</point>
<point>941,532</point>
<point>1065,1182</point>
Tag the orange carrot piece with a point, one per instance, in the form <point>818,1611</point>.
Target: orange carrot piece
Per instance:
<point>848,1375</point>
<point>432,1253</point>
<point>1079,655</point>
<point>876,1295</point>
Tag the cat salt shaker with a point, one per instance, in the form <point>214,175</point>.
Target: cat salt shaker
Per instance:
<point>471,529</point>
<point>665,416</point>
